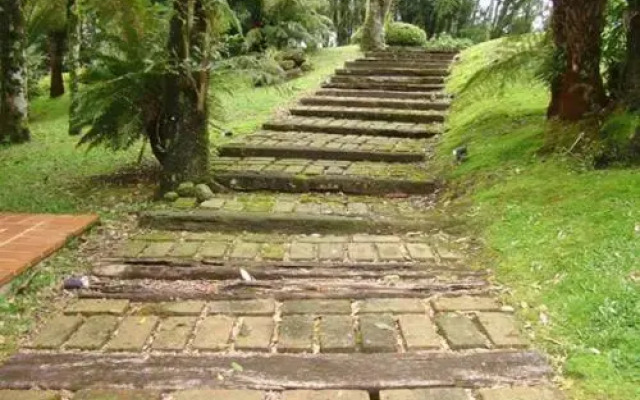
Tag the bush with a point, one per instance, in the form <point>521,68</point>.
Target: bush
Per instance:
<point>446,42</point>
<point>403,34</point>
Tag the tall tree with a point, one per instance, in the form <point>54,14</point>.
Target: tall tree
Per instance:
<point>632,62</point>
<point>13,74</point>
<point>373,28</point>
<point>577,89</point>
<point>74,40</point>
<point>183,129</point>
<point>57,45</point>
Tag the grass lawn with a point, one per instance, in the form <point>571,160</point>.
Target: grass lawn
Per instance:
<point>563,237</point>
<point>50,174</point>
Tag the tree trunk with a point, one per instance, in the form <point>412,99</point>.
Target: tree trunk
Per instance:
<point>577,90</point>
<point>373,28</point>
<point>184,128</point>
<point>632,62</point>
<point>57,43</point>
<point>14,105</point>
<point>74,36</point>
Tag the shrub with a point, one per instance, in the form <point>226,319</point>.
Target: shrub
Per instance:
<point>446,42</point>
<point>403,34</point>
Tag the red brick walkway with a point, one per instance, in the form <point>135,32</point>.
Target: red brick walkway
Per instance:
<point>26,239</point>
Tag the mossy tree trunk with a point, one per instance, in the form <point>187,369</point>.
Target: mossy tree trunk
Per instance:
<point>632,62</point>
<point>74,40</point>
<point>183,129</point>
<point>14,105</point>
<point>373,28</point>
<point>57,44</point>
<point>577,90</point>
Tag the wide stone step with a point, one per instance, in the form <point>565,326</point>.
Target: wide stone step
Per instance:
<point>386,63</point>
<point>298,175</point>
<point>372,102</point>
<point>419,56</point>
<point>367,372</point>
<point>339,126</point>
<point>383,94</point>
<point>380,71</point>
<point>396,80</point>
<point>370,114</point>
<point>400,87</point>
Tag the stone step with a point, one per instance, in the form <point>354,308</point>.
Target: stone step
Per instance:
<point>367,372</point>
<point>298,175</point>
<point>370,114</point>
<point>400,87</point>
<point>372,102</point>
<point>322,146</point>
<point>419,56</point>
<point>382,71</point>
<point>384,94</point>
<point>396,80</point>
<point>354,127</point>
<point>386,63</point>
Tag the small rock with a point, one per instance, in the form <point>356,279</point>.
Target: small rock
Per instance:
<point>76,282</point>
<point>171,196</point>
<point>203,192</point>
<point>186,189</point>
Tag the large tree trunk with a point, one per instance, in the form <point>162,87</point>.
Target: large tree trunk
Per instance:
<point>74,39</point>
<point>373,28</point>
<point>184,128</point>
<point>57,43</point>
<point>632,63</point>
<point>577,91</point>
<point>14,105</point>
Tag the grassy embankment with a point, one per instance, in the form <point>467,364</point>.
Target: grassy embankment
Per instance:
<point>563,237</point>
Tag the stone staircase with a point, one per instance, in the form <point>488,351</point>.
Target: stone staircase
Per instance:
<point>301,285</point>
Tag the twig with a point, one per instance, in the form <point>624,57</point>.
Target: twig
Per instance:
<point>573,146</point>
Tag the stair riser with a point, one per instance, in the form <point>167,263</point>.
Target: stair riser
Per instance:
<point>323,184</point>
<point>385,86</point>
<point>364,71</point>
<point>366,116</point>
<point>408,56</point>
<point>381,94</point>
<point>382,63</point>
<point>319,154</point>
<point>341,130</point>
<point>323,101</point>
<point>429,80</point>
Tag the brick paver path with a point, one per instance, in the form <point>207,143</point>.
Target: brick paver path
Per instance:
<point>298,296</point>
<point>26,239</point>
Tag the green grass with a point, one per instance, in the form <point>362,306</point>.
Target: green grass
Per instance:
<point>50,174</point>
<point>563,237</point>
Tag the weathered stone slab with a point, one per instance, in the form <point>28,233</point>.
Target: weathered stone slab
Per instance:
<point>133,333</point>
<point>97,394</point>
<point>419,332</point>
<point>185,250</point>
<point>173,333</point>
<point>521,393</point>
<point>378,333</point>
<point>466,303</point>
<point>243,307</point>
<point>337,334</point>
<point>302,252</point>
<point>502,329</point>
<point>362,252</point>
<point>157,250</point>
<point>390,251</point>
<point>255,334</point>
<point>296,334</point>
<point>93,333</point>
<point>399,306</point>
<point>28,395</point>
<point>213,250</point>
<point>73,371</point>
<point>246,251</point>
<point>173,308</point>
<point>325,395</point>
<point>316,306</point>
<point>460,332</point>
<point>330,251</point>
<point>420,252</point>
<point>424,394</point>
<point>98,306</point>
<point>218,395</point>
<point>213,333</point>
<point>56,332</point>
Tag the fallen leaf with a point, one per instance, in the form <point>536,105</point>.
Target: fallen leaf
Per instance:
<point>245,275</point>
<point>386,327</point>
<point>237,367</point>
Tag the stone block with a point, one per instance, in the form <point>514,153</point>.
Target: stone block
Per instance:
<point>213,250</point>
<point>302,252</point>
<point>420,252</point>
<point>337,334</point>
<point>243,307</point>
<point>466,303</point>
<point>117,394</point>
<point>56,332</point>
<point>424,394</point>
<point>461,333</point>
<point>419,332</point>
<point>29,395</point>
<point>191,307</point>
<point>255,334</point>
<point>316,306</point>
<point>173,333</point>
<point>521,393</point>
<point>213,333</point>
<point>378,333</point>
<point>93,333</point>
<point>296,334</point>
<point>395,306</point>
<point>502,330</point>
<point>133,333</point>
<point>218,395</point>
<point>325,395</point>
<point>362,252</point>
<point>98,306</point>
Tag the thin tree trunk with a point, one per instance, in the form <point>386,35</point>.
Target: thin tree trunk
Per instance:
<point>632,62</point>
<point>578,90</point>
<point>74,36</point>
<point>14,105</point>
<point>57,42</point>
<point>184,129</point>
<point>373,29</point>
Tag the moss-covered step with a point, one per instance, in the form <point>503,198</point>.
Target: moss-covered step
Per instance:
<point>338,126</point>
<point>387,63</point>
<point>299,175</point>
<point>360,69</point>
<point>417,55</point>
<point>322,146</point>
<point>397,80</point>
<point>384,94</point>
<point>370,114</point>
<point>370,85</point>
<point>372,102</point>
